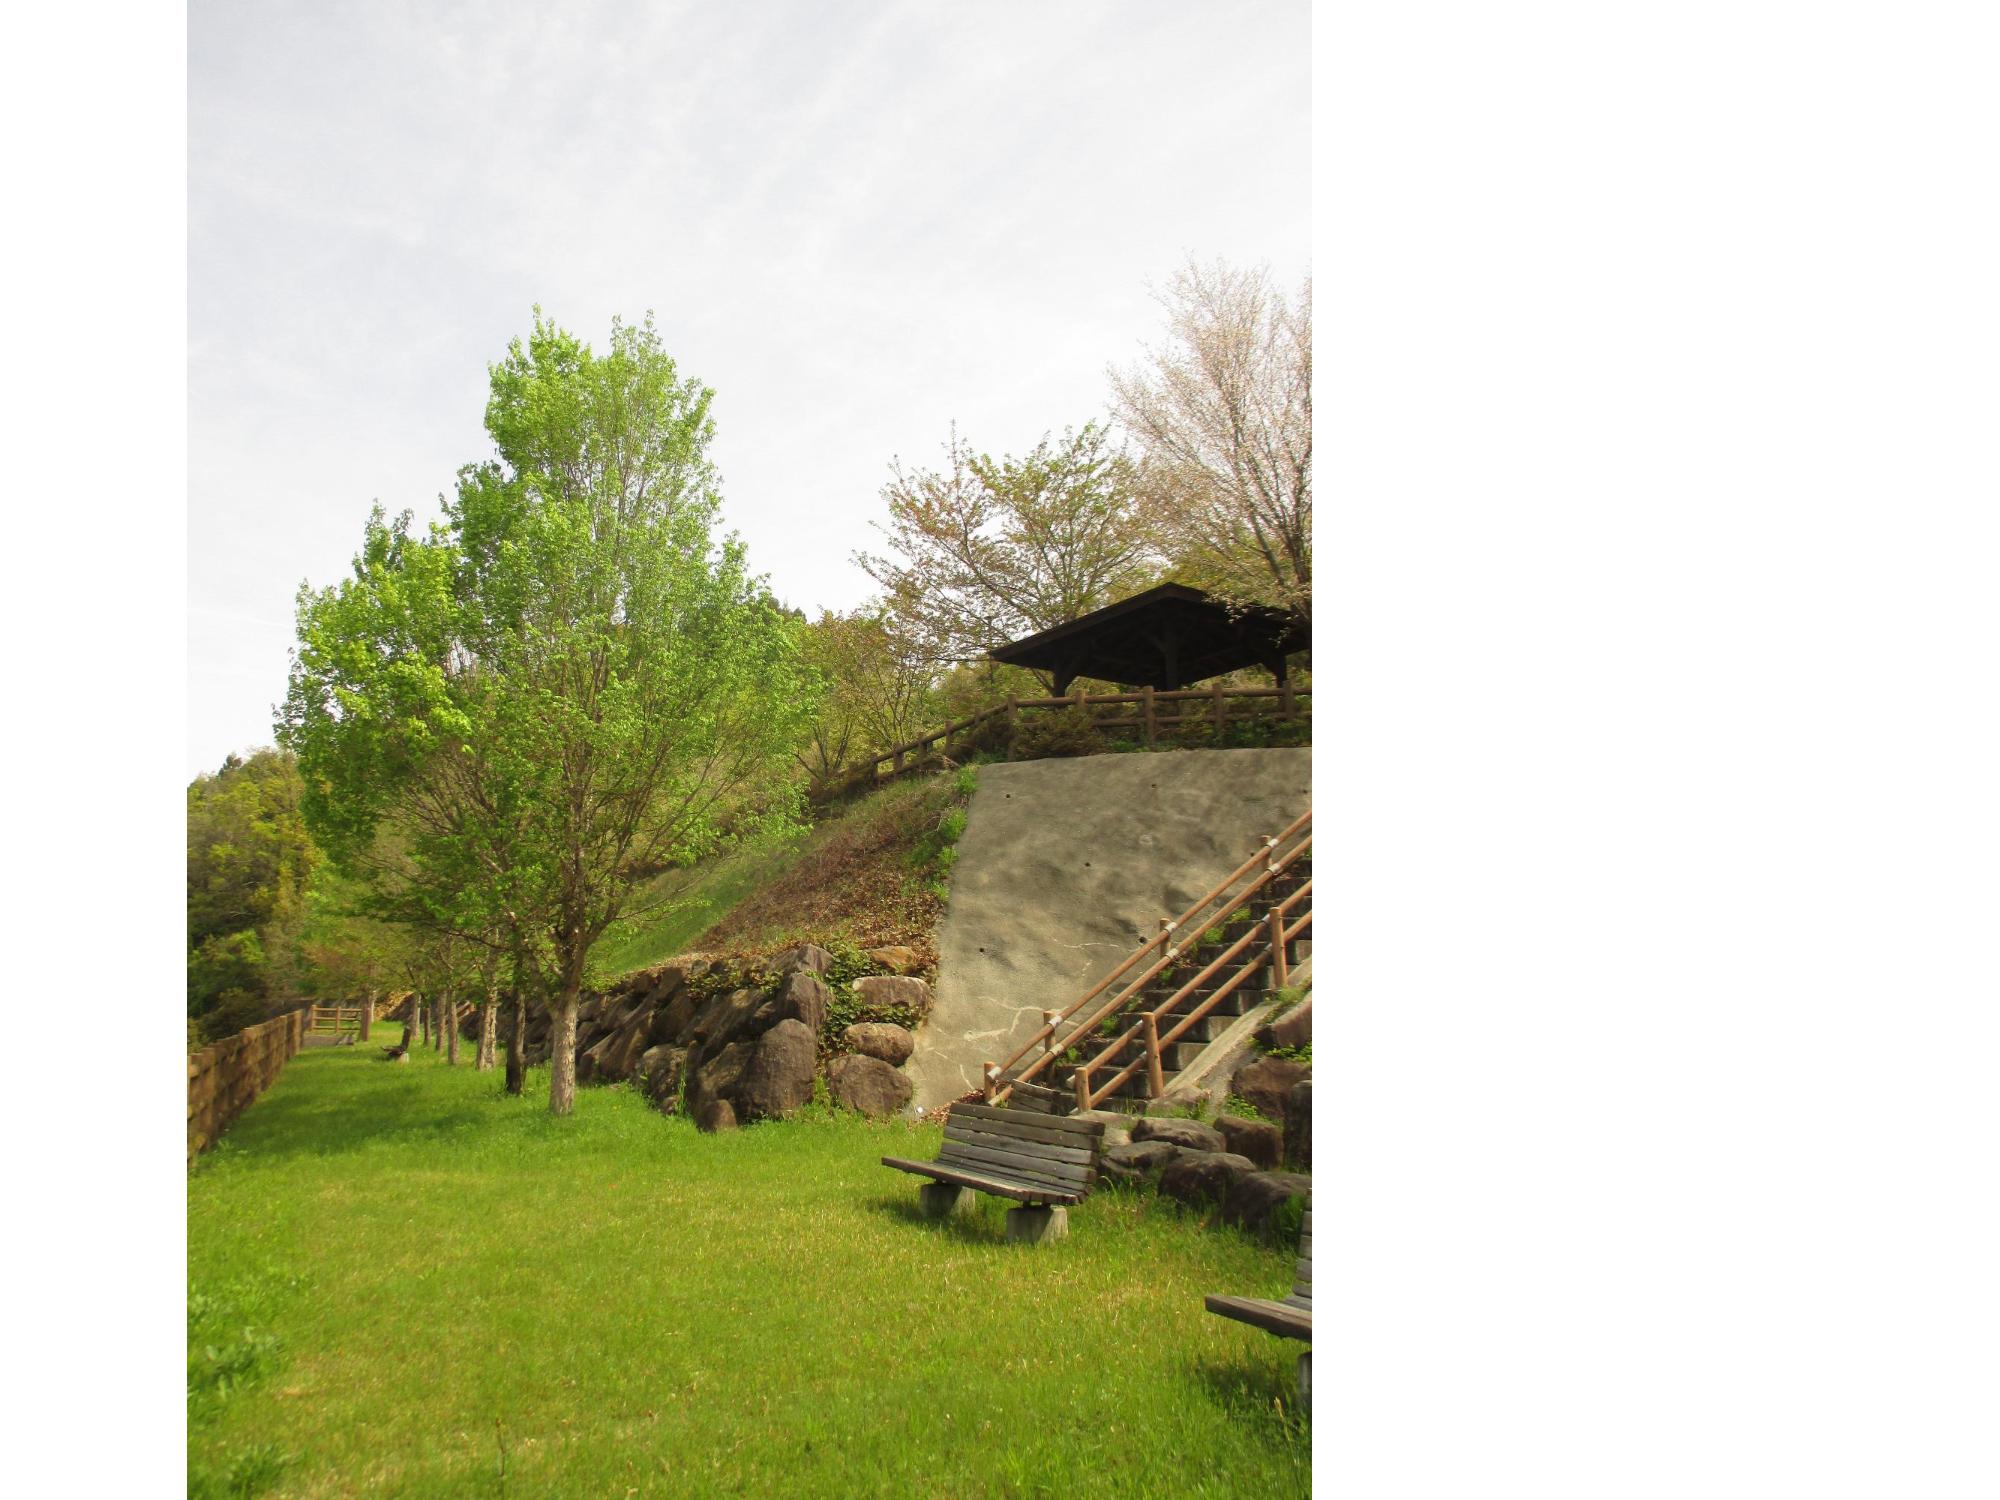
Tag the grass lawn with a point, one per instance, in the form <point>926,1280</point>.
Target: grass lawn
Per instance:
<point>402,1282</point>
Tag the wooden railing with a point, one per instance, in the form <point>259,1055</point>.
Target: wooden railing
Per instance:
<point>225,1076</point>
<point>1263,946</point>
<point>1126,984</point>
<point>1154,713</point>
<point>327,1020</point>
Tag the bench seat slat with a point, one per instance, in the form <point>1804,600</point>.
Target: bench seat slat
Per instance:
<point>1000,1187</point>
<point>1273,1317</point>
<point>1008,1171</point>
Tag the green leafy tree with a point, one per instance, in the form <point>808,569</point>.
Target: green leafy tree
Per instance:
<point>567,683</point>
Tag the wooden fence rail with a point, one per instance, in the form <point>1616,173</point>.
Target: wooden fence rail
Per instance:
<point>1214,707</point>
<point>225,1076</point>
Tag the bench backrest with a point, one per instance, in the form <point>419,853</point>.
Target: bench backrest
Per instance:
<point>1054,1151</point>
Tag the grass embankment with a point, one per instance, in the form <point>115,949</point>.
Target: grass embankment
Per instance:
<point>402,1282</point>
<point>860,876</point>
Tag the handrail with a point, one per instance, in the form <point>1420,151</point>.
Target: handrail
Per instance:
<point>1300,829</point>
<point>1290,698</point>
<point>1148,1023</point>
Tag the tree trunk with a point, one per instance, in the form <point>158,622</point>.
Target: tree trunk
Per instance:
<point>488,1025</point>
<point>367,1015</point>
<point>517,1044</point>
<point>451,1030</point>
<point>562,1038</point>
<point>422,1018</point>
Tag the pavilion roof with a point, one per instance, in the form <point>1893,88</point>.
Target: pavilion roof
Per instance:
<point>1167,637</point>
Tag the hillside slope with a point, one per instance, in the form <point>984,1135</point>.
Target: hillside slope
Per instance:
<point>1065,866</point>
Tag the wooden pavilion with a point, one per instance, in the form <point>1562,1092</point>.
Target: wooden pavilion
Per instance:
<point>1167,638</point>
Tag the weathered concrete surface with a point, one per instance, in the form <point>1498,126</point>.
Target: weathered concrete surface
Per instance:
<point>1065,866</point>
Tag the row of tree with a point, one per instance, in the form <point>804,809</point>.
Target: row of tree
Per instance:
<point>498,725</point>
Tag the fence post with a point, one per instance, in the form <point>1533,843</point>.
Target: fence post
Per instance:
<point>1287,707</point>
<point>989,1076</point>
<point>367,1014</point>
<point>1280,967</point>
<point>1082,1081</point>
<point>1156,1076</point>
<point>1049,1019</point>
<point>1219,709</point>
<point>1146,708</point>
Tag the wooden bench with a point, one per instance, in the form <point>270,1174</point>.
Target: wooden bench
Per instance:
<point>1043,1162</point>
<point>1291,1318</point>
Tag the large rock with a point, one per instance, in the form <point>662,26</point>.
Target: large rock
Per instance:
<point>896,959</point>
<point>800,996</point>
<point>718,1077</point>
<point>868,1084</point>
<point>1293,1029</point>
<point>1254,1199</point>
<point>880,991</point>
<point>663,1068</point>
<point>674,1021</point>
<point>1204,1177</point>
<point>1299,1125</point>
<point>780,1076</point>
<point>893,1044</point>
<point>1260,1140</point>
<point>618,1054</point>
<point>716,1024</point>
<point>716,1114</point>
<point>1191,1134</point>
<point>805,957</point>
<point>1266,1083</point>
<point>1139,1158</point>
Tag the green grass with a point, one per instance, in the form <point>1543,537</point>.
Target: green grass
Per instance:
<point>402,1282</point>
<point>677,907</point>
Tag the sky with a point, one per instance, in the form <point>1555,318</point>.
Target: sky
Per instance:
<point>858,223</point>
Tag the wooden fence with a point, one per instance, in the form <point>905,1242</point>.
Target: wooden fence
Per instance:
<point>225,1076</point>
<point>1153,714</point>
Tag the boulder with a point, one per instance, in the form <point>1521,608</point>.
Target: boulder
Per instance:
<point>716,1024</point>
<point>896,959</point>
<point>674,1021</point>
<point>618,1054</point>
<point>805,957</point>
<point>1190,1134</point>
<point>799,996</point>
<point>1254,1199</point>
<point>1260,1140</point>
<point>1139,1158</point>
<point>868,1084</point>
<point>880,1039</point>
<point>1299,1125</point>
<point>716,1114</point>
<point>780,1076</point>
<point>1203,1177</point>
<point>879,991</point>
<point>1293,1029</point>
<point>1117,1126</point>
<point>1265,1083</point>
<point>665,985</point>
<point>663,1068</point>
<point>718,1077</point>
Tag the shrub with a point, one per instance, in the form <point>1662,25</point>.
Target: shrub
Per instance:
<point>1050,735</point>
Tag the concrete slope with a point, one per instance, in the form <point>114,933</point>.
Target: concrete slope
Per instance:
<point>1065,867</point>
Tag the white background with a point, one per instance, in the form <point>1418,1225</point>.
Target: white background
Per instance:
<point>1657,752</point>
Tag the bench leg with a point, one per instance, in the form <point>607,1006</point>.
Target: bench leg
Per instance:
<point>1028,1225</point>
<point>946,1200</point>
<point>1305,1382</point>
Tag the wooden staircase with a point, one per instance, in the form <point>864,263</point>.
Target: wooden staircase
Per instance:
<point>1132,1035</point>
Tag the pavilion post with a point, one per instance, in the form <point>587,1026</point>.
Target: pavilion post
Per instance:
<point>1146,710</point>
<point>1219,708</point>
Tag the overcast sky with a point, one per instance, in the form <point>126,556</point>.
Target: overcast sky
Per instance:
<point>857,222</point>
